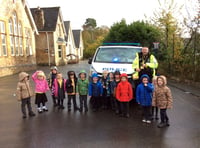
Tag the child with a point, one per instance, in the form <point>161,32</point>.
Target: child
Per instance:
<point>51,79</point>
<point>71,90</point>
<point>124,94</point>
<point>162,98</point>
<point>59,89</point>
<point>144,97</point>
<point>154,108</point>
<point>113,88</point>
<point>24,92</point>
<point>95,92</point>
<point>82,89</point>
<point>41,86</point>
<point>105,97</point>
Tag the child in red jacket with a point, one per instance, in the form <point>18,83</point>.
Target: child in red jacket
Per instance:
<point>124,93</point>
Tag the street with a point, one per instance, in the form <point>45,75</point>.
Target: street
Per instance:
<point>63,129</point>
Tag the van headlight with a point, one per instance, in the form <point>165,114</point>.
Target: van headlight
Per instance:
<point>92,70</point>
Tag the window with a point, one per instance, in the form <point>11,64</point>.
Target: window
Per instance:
<point>116,54</point>
<point>59,51</point>
<point>12,43</point>
<point>3,50</point>
<point>16,36</point>
<point>20,39</point>
<point>28,42</point>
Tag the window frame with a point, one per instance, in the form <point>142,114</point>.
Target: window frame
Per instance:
<point>3,41</point>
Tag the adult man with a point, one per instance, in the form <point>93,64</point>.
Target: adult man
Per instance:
<point>144,63</point>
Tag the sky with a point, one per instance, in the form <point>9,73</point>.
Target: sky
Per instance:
<point>105,12</point>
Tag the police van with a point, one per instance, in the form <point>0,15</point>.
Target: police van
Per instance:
<point>114,57</point>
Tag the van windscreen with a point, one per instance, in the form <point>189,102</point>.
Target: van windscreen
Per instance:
<point>116,54</point>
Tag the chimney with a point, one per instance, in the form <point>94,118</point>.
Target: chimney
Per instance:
<point>39,18</point>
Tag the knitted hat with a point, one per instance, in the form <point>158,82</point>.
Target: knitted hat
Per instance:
<point>117,72</point>
<point>94,75</point>
<point>124,75</point>
<point>54,68</point>
<point>82,71</point>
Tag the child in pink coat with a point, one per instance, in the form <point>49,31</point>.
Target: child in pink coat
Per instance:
<point>59,89</point>
<point>41,87</point>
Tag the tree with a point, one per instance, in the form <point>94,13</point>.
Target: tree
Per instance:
<point>168,25</point>
<point>89,24</point>
<point>138,31</point>
<point>92,38</point>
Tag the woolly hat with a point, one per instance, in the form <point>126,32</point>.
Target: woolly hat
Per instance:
<point>82,71</point>
<point>124,75</point>
<point>117,72</point>
<point>94,75</point>
<point>54,68</point>
<point>144,76</point>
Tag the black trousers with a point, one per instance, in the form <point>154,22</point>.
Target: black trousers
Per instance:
<point>154,110</point>
<point>117,106</point>
<point>146,112</point>
<point>96,102</point>
<point>70,99</point>
<point>112,102</point>
<point>60,102</point>
<point>26,102</point>
<point>54,100</point>
<point>163,115</point>
<point>83,102</point>
<point>124,108</point>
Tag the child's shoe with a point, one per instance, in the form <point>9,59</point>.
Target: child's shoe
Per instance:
<point>40,110</point>
<point>148,121</point>
<point>44,108</point>
<point>167,123</point>
<point>161,125</point>
<point>24,116</point>
<point>31,114</point>
<point>127,116</point>
<point>144,120</point>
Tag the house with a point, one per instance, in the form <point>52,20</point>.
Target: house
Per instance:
<point>50,43</point>
<point>78,43</point>
<point>17,40</point>
<point>70,44</point>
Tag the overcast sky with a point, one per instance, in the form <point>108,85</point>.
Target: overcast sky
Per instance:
<point>105,12</point>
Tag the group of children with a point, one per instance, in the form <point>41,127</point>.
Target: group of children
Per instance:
<point>153,96</point>
<point>112,91</point>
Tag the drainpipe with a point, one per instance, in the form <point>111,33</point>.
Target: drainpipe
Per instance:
<point>49,61</point>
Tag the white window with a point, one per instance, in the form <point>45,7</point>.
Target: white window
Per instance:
<point>15,24</point>
<point>3,50</point>
<point>12,42</point>
<point>20,39</point>
<point>28,43</point>
<point>21,46</point>
<point>59,51</point>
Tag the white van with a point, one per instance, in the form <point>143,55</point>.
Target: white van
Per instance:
<point>114,57</point>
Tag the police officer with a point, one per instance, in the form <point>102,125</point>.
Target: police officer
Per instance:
<point>144,63</point>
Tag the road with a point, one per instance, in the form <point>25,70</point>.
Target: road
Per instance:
<point>61,129</point>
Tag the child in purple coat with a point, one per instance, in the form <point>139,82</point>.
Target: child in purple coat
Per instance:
<point>59,89</point>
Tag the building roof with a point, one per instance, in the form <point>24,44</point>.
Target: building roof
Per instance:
<point>50,16</point>
<point>67,24</point>
<point>77,37</point>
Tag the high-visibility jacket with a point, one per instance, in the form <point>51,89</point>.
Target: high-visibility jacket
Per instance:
<point>151,63</point>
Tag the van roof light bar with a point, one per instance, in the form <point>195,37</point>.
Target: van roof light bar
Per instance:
<point>125,44</point>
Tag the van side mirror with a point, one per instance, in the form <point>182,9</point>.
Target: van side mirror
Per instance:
<point>90,60</point>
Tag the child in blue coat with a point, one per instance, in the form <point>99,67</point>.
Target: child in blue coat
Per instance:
<point>95,92</point>
<point>144,97</point>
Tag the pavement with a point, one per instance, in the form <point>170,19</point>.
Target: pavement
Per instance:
<point>185,87</point>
